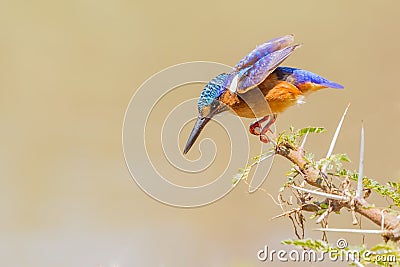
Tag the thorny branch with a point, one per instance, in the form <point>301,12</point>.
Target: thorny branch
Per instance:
<point>314,177</point>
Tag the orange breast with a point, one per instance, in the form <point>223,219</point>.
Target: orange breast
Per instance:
<point>282,96</point>
<point>273,96</point>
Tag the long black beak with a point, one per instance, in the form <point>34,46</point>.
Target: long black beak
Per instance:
<point>198,127</point>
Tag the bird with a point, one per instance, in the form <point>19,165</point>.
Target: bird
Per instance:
<point>256,80</point>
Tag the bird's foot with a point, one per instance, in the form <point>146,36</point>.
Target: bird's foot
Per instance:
<point>264,137</point>
<point>256,127</point>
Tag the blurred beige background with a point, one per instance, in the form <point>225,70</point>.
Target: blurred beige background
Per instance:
<point>67,72</point>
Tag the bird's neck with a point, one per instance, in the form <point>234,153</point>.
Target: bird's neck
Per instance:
<point>229,98</point>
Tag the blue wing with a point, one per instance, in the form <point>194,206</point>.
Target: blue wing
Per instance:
<point>253,75</point>
<point>263,50</point>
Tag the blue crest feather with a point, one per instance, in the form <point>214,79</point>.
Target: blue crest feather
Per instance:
<point>213,90</point>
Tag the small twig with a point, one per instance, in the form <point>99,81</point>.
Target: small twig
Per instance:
<point>353,215</point>
<point>353,211</point>
<point>255,189</point>
<point>273,199</point>
<point>301,220</point>
<point>285,213</point>
<point>294,226</point>
<point>324,235</point>
<point>323,216</point>
<point>383,220</point>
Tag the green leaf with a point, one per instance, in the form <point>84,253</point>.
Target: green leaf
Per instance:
<point>342,157</point>
<point>390,189</point>
<point>317,245</point>
<point>304,131</point>
<point>324,205</point>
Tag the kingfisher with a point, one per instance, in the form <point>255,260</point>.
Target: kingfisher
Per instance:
<point>257,87</point>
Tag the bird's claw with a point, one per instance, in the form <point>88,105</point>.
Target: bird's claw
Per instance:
<point>264,139</point>
<point>267,139</point>
<point>255,128</point>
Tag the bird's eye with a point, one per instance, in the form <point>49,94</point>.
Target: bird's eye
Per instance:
<point>214,104</point>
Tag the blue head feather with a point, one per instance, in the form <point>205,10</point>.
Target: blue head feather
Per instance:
<point>213,90</point>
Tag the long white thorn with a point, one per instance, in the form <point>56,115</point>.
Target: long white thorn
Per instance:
<point>303,142</point>
<point>356,231</point>
<point>361,165</point>
<point>355,261</point>
<point>334,139</point>
<point>322,194</point>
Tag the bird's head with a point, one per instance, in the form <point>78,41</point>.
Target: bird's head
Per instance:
<point>208,106</point>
